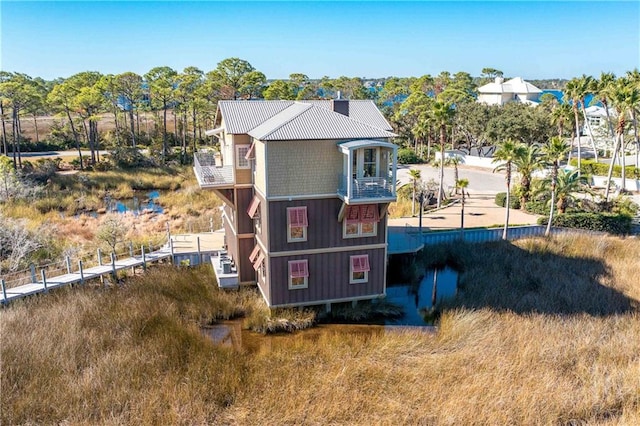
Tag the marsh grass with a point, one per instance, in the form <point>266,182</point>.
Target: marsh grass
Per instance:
<point>135,354</point>
<point>365,311</point>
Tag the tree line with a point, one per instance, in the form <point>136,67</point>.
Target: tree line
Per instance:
<point>424,111</point>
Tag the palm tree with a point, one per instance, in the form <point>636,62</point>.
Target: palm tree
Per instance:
<point>414,175</point>
<point>442,114</point>
<point>506,152</point>
<point>553,152</point>
<point>462,184</point>
<point>575,91</point>
<point>634,103</point>
<point>568,183</point>
<point>527,162</point>
<point>586,85</point>
<point>560,116</point>
<point>623,95</point>
<point>601,88</point>
<point>454,161</point>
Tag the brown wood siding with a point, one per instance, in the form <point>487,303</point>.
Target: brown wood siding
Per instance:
<point>328,278</point>
<point>231,240</point>
<point>324,230</point>
<point>245,223</point>
<point>245,268</point>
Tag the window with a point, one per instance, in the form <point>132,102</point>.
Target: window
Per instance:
<point>359,269</point>
<point>296,224</point>
<point>370,162</point>
<point>241,160</point>
<point>361,221</point>
<point>298,274</point>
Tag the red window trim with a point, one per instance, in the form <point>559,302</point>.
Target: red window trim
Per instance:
<point>297,216</point>
<point>298,268</point>
<point>258,261</point>
<point>360,263</point>
<point>363,213</point>
<point>369,213</point>
<point>252,210</point>
<point>254,253</point>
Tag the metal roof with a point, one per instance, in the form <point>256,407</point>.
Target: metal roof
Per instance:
<point>362,110</point>
<point>242,116</point>
<point>305,121</point>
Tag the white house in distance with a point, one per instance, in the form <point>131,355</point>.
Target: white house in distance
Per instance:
<point>501,92</point>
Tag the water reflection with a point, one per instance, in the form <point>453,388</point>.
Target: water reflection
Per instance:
<point>134,205</point>
<point>417,301</point>
<point>231,334</point>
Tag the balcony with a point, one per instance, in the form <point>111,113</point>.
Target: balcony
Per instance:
<point>369,171</point>
<point>366,189</point>
<point>208,174</point>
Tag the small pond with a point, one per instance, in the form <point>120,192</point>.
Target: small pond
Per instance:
<point>135,205</point>
<point>417,300</point>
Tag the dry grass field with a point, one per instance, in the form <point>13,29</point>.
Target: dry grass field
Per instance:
<point>544,332</point>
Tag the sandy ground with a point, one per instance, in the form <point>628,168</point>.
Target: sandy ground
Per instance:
<point>480,210</point>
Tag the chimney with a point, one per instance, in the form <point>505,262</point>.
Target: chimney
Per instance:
<point>340,105</point>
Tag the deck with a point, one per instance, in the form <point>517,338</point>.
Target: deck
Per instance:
<point>185,249</point>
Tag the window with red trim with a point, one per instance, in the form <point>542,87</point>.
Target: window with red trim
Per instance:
<point>361,221</point>
<point>359,269</point>
<point>298,274</point>
<point>297,224</point>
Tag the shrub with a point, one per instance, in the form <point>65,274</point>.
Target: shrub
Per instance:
<point>501,200</point>
<point>537,207</point>
<point>590,167</point>
<point>407,156</point>
<point>602,222</point>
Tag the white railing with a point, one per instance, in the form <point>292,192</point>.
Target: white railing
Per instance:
<point>368,187</point>
<point>208,173</point>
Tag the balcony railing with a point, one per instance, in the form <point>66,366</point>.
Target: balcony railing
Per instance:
<point>208,174</point>
<point>369,187</point>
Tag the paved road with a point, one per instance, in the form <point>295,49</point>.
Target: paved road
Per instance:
<point>480,181</point>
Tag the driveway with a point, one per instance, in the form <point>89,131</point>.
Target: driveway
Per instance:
<point>480,181</point>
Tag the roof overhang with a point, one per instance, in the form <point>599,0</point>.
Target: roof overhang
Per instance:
<point>213,132</point>
<point>347,147</point>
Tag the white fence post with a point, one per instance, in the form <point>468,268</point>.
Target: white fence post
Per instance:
<point>171,250</point>
<point>68,262</point>
<point>199,253</point>
<point>99,257</point>
<point>81,272</point>
<point>33,273</point>
<point>130,248</point>
<point>44,280</point>
<point>144,259</point>
<point>4,291</point>
<point>113,265</point>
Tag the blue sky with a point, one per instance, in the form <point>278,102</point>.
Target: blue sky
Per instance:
<point>366,39</point>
